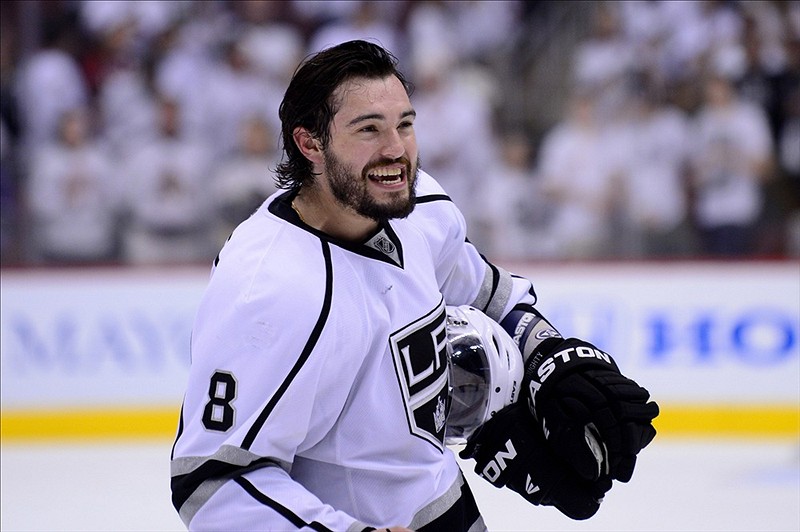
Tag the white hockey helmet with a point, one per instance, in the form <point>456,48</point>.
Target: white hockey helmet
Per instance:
<point>485,370</point>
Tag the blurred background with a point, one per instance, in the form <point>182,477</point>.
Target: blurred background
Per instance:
<point>638,160</point>
<point>142,132</point>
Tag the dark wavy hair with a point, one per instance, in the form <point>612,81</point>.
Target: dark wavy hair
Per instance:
<point>309,101</point>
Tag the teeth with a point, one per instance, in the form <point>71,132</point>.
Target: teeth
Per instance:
<point>386,172</point>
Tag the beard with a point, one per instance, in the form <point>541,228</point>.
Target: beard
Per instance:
<point>350,189</point>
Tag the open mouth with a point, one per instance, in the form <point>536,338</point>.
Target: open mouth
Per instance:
<point>386,176</point>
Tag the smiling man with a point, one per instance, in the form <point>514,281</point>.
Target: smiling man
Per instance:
<point>366,169</point>
<point>319,389</point>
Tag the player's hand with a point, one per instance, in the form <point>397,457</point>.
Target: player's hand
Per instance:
<point>510,450</point>
<point>593,417</point>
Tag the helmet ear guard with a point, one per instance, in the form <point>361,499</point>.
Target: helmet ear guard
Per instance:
<point>485,370</point>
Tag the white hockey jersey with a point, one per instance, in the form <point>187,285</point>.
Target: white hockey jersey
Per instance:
<point>318,391</point>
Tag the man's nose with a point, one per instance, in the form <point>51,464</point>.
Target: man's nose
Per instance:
<point>393,146</point>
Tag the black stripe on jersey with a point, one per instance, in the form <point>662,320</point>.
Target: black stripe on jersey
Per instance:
<point>461,516</point>
<point>307,349</point>
<point>372,253</point>
<point>531,290</point>
<point>278,507</point>
<point>433,197</point>
<point>495,283</point>
<point>177,436</point>
<point>216,259</point>
<point>282,208</point>
<point>183,486</point>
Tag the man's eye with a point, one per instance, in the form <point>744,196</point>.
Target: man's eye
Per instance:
<point>369,129</point>
<point>406,125</point>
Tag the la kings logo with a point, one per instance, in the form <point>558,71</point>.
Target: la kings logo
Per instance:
<point>420,358</point>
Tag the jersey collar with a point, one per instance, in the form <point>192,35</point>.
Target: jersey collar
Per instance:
<point>383,244</point>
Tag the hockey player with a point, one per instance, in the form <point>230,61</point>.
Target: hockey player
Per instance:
<point>319,391</point>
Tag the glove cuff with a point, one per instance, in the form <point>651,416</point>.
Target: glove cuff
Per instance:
<point>529,329</point>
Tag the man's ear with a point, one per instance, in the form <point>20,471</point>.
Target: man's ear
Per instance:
<point>309,146</point>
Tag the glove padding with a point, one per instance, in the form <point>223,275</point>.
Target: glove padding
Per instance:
<point>576,391</point>
<point>510,450</point>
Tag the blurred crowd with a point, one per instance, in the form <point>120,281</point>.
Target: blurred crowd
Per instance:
<point>144,132</point>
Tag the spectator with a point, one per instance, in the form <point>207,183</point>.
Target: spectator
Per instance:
<point>234,92</point>
<point>454,126</point>
<point>183,64</point>
<point>363,22</point>
<point>274,50</point>
<point>147,19</point>
<point>71,195</point>
<point>118,57</point>
<point>603,60</point>
<point>126,97</point>
<point>128,109</point>
<point>168,196</point>
<point>731,159</point>
<point>790,164</point>
<point>577,171</point>
<point>655,197</point>
<point>243,180</point>
<point>511,223</point>
<point>788,132</point>
<point>9,197</point>
<point>49,83</point>
<point>493,30</point>
<point>788,144</point>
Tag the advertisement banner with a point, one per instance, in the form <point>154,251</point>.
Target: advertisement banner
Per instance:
<point>83,350</point>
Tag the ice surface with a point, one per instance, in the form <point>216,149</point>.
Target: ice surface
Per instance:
<point>679,485</point>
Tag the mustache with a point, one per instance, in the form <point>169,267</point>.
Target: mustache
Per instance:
<point>387,161</point>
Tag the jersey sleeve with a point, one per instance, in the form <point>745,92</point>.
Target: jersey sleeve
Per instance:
<point>465,276</point>
<point>268,499</point>
<point>264,386</point>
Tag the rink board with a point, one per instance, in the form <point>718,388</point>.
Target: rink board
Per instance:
<point>103,353</point>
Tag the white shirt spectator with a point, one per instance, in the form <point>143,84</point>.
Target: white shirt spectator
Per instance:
<point>485,28</point>
<point>577,169</point>
<point>432,36</point>
<point>731,145</point>
<point>364,22</point>
<point>169,199</point>
<point>150,18</point>
<point>605,56</point>
<point>512,223</point>
<point>49,84</point>
<point>234,92</point>
<point>274,51</point>
<point>71,194</point>
<point>187,65</point>
<point>243,180</point>
<point>128,109</point>
<point>655,154</point>
<point>454,131</point>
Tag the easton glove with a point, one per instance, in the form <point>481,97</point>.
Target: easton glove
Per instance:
<point>509,450</point>
<point>593,417</point>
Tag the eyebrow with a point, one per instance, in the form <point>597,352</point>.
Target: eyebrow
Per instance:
<point>378,116</point>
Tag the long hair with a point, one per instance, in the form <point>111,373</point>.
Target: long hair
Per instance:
<point>309,101</point>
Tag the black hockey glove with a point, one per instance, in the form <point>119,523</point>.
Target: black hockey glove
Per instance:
<point>509,450</point>
<point>593,417</point>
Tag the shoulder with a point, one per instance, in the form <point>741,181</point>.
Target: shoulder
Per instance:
<point>435,213</point>
<point>270,262</point>
<point>431,196</point>
<point>430,192</point>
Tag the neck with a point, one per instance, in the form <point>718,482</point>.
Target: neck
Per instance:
<point>327,215</point>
